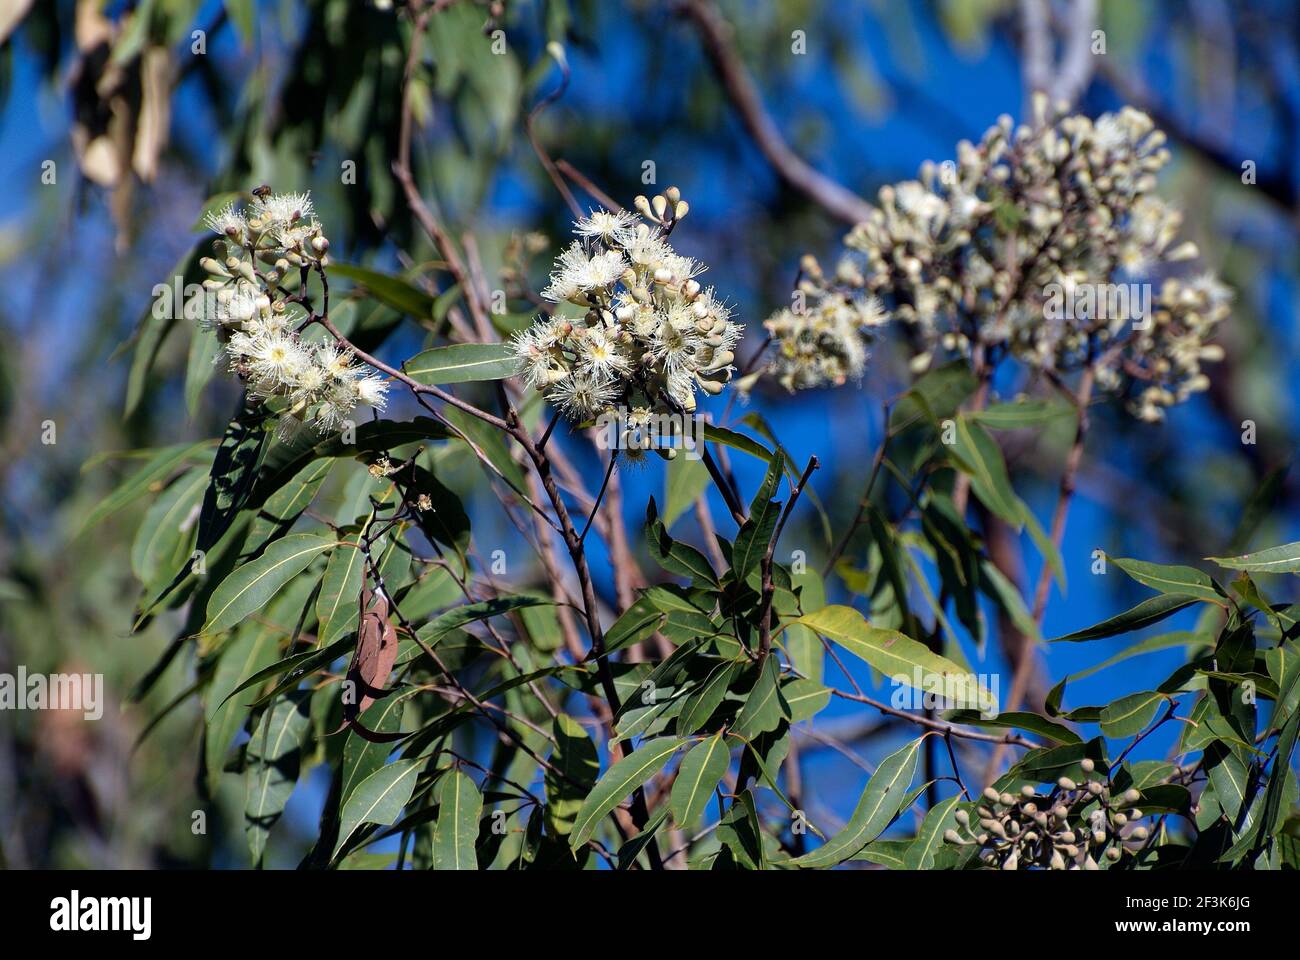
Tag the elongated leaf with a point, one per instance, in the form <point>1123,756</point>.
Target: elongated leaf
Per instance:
<point>618,782</point>
<point>252,648</point>
<point>463,363</point>
<point>252,585</point>
<point>1283,559</point>
<point>929,839</point>
<point>489,440</point>
<point>163,540</point>
<point>394,292</point>
<point>686,480</point>
<point>1162,641</point>
<point>1031,722</point>
<point>454,836</point>
<point>279,511</point>
<point>935,395</point>
<point>1149,611</point>
<point>980,457</point>
<point>765,707</point>
<point>899,657</point>
<point>274,760</point>
<point>628,853</point>
<point>880,803</point>
<point>701,770</point>
<point>200,365</point>
<point>458,617</point>
<point>336,604</point>
<point>806,698</point>
<point>702,702</point>
<point>1127,716</point>
<point>636,623</point>
<point>756,533</point>
<point>151,477</point>
<point>379,798</point>
<point>234,470</point>
<point>1176,580</point>
<point>737,441</point>
<point>1021,414</point>
<point>673,555</point>
<point>574,767</point>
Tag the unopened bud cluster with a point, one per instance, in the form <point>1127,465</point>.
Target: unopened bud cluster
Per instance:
<point>823,339</point>
<point>1072,827</point>
<point>259,249</point>
<point>968,255</point>
<point>651,335</point>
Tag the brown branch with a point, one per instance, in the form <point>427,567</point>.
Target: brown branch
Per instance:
<point>716,35</point>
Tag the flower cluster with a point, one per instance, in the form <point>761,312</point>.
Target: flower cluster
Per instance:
<point>651,335</point>
<point>258,319</point>
<point>822,340</point>
<point>1019,247</point>
<point>1073,827</point>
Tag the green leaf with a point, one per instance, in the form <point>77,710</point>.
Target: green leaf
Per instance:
<point>899,657</point>
<point>1149,611</point>
<point>806,698</point>
<point>1283,559</point>
<point>756,533</point>
<point>250,650</point>
<point>574,767</point>
<point>1031,722</point>
<point>702,702</point>
<point>1231,780</point>
<point>940,817</point>
<point>1175,580</point>
<point>618,782</point>
<point>737,441</point>
<point>162,543</point>
<point>362,757</point>
<point>628,852</point>
<point>701,770</point>
<point>1020,414</point>
<point>252,585</point>
<point>765,707</point>
<point>489,440</point>
<point>686,480</point>
<point>391,291</point>
<point>472,612</point>
<point>1127,716</point>
<point>454,836</point>
<point>635,624</point>
<point>340,592</point>
<point>979,456</point>
<point>200,365</point>
<point>283,507</point>
<point>234,470</point>
<point>156,323</point>
<point>151,476</point>
<point>673,555</point>
<point>463,363</point>
<point>880,803</point>
<point>1161,641</point>
<point>274,760</point>
<point>934,396</point>
<point>379,798</point>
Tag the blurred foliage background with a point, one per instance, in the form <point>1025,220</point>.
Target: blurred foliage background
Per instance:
<point>118,120</point>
